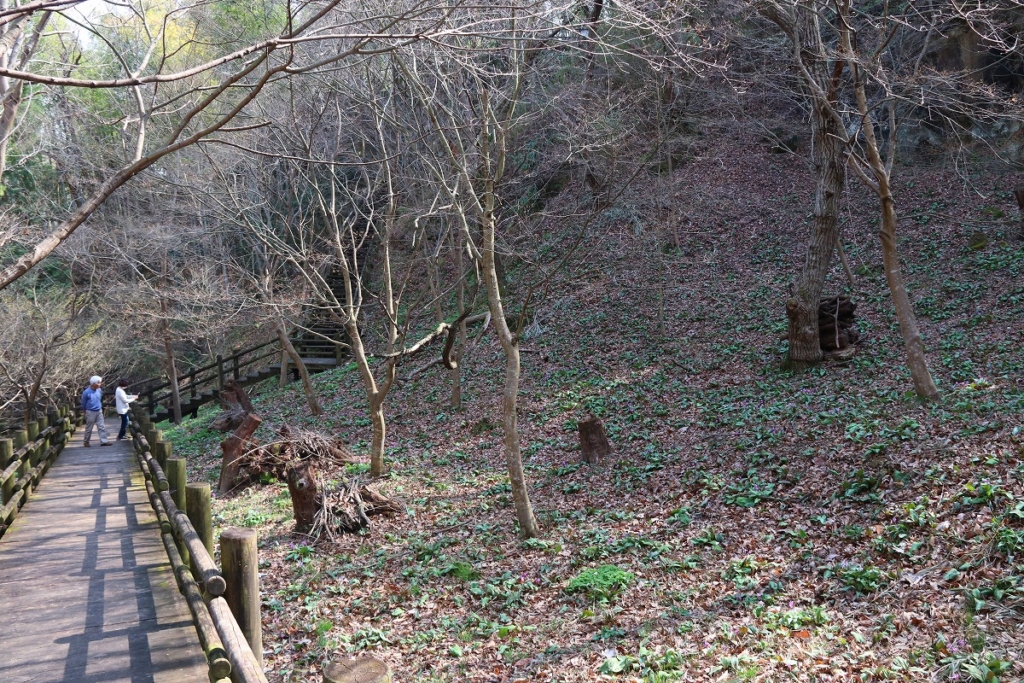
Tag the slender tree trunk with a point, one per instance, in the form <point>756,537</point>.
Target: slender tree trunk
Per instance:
<point>528,527</point>
<point>172,372</point>
<point>460,295</point>
<point>380,433</point>
<point>307,384</point>
<point>802,306</point>
<point>919,372</point>
<point>922,377</point>
<point>30,408</point>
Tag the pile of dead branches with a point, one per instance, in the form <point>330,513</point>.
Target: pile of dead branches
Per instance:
<point>347,508</point>
<point>296,445</point>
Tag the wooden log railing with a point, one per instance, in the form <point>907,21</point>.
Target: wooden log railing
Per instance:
<point>199,385</point>
<point>26,458</point>
<point>216,600</point>
<point>209,377</point>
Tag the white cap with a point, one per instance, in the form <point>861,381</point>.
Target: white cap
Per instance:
<point>95,379</point>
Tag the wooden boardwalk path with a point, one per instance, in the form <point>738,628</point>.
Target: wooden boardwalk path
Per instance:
<point>86,591</point>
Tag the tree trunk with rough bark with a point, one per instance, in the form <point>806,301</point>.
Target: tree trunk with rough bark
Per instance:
<point>821,77</point>
<point>802,306</point>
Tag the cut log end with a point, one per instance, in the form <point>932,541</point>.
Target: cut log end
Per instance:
<point>357,670</point>
<point>593,441</point>
<point>304,491</point>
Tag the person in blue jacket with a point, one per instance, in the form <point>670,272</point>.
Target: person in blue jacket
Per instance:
<point>92,404</point>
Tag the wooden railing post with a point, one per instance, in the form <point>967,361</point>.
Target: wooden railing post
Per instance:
<point>33,431</point>
<point>197,508</point>
<point>192,383</point>
<point>6,452</point>
<point>161,449</point>
<point>176,478</point>
<point>240,568</point>
<point>6,456</point>
<point>220,372</point>
<point>234,363</point>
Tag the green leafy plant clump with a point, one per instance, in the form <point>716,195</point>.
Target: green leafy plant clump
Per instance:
<point>858,578</point>
<point>601,583</point>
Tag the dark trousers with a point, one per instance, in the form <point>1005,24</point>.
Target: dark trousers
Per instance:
<point>124,426</point>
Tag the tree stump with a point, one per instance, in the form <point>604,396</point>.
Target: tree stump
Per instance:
<point>233,447</point>
<point>236,406</point>
<point>593,441</point>
<point>302,486</point>
<point>357,670</point>
<point>837,325</point>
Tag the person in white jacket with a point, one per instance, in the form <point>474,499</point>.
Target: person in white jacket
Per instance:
<point>122,398</point>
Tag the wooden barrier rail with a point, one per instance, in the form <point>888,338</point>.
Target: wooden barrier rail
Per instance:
<point>217,600</point>
<point>256,363</point>
<point>207,377</point>
<point>25,459</point>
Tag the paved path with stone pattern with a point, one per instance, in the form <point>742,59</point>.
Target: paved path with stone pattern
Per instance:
<point>87,594</point>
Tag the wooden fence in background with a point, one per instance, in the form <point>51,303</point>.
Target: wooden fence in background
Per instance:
<point>246,366</point>
<point>25,459</point>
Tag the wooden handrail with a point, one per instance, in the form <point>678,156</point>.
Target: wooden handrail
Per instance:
<point>157,398</point>
<point>227,651</point>
<point>25,462</point>
<point>200,380</point>
<point>204,368</point>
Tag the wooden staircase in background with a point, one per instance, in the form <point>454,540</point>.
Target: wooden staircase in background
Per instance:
<point>253,365</point>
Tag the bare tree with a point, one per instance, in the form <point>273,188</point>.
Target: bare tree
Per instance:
<point>202,97</point>
<point>49,345</point>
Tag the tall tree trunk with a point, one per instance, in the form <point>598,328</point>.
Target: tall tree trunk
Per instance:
<point>829,174</point>
<point>172,372</point>
<point>460,295</point>
<point>880,184</point>
<point>821,77</point>
<point>11,91</point>
<point>307,384</point>
<point>922,377</point>
<point>528,527</point>
<point>30,408</point>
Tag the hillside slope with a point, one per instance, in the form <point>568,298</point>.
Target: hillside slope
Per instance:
<point>822,526</point>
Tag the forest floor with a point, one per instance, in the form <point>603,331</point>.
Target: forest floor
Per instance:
<point>751,524</point>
